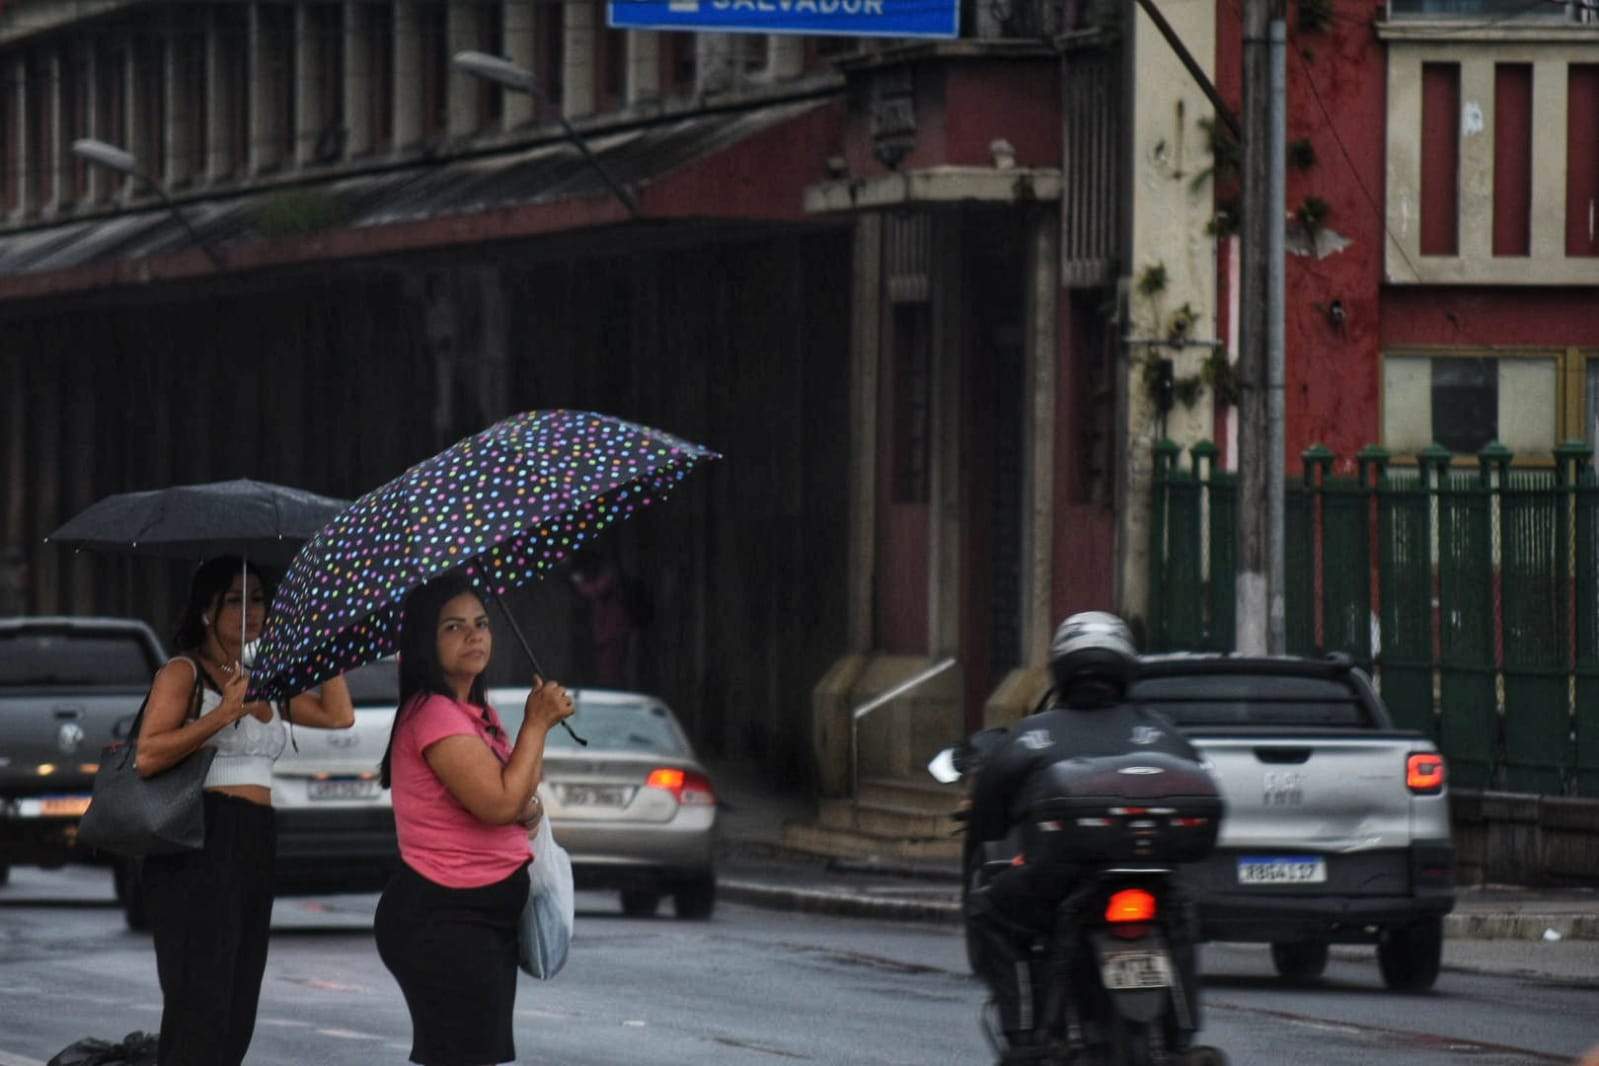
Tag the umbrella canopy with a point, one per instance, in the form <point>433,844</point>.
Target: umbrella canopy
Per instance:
<point>509,503</point>
<point>263,522</point>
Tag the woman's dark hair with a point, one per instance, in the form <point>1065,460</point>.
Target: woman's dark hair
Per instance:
<point>206,590</point>
<point>420,670</point>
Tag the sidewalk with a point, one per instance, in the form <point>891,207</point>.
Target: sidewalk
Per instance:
<point>755,868</point>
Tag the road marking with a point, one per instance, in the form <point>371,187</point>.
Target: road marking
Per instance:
<point>325,985</point>
<point>348,1034</point>
<point>8,1059</point>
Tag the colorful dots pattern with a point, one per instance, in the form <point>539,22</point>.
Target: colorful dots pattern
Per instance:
<point>509,503</point>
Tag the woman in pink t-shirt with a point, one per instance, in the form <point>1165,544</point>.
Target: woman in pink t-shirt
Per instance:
<point>463,802</point>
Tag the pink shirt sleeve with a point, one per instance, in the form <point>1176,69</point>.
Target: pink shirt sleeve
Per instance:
<point>436,718</point>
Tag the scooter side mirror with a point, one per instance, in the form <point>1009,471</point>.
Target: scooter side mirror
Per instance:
<point>943,767</point>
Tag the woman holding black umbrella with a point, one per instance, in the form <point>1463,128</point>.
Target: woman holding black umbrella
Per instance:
<point>463,799</point>
<point>210,910</point>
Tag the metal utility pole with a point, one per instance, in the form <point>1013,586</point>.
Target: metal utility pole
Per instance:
<point>1259,592</point>
<point>1276,444</point>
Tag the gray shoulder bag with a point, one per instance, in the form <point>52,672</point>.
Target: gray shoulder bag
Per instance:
<point>137,816</point>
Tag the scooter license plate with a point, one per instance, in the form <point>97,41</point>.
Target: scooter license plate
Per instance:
<point>1125,971</point>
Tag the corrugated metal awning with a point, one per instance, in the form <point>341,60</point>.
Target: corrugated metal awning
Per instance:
<point>524,191</point>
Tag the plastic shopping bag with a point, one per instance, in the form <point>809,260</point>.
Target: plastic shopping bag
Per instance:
<point>545,930</point>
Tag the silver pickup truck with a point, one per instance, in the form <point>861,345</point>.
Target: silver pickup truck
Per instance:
<point>1337,827</point>
<point>68,687</point>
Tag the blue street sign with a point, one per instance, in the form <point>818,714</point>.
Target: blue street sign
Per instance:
<point>846,18</point>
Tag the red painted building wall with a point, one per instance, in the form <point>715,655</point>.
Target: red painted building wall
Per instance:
<point>1582,160</point>
<point>1336,82</point>
<point>1440,159</point>
<point>1512,159</point>
<point>1083,548</point>
<point>1337,77</point>
<point>1481,317</point>
<point>962,107</point>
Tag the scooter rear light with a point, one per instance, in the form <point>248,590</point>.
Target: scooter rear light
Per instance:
<point>1130,905</point>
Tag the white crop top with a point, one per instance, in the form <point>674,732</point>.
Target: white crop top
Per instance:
<point>246,749</point>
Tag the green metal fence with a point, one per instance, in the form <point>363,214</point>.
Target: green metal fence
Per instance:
<point>1471,595</point>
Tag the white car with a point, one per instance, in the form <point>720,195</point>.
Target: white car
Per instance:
<point>335,821</point>
<point>635,809</point>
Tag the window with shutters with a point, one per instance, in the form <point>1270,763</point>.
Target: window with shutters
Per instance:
<point>1528,400</point>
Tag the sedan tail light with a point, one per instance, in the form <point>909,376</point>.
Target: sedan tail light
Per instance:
<point>687,787</point>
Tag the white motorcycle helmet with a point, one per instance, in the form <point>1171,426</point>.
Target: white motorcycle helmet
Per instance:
<point>1093,659</point>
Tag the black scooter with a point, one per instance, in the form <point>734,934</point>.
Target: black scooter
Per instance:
<point>1111,980</point>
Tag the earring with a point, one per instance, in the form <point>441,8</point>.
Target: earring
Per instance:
<point>205,619</point>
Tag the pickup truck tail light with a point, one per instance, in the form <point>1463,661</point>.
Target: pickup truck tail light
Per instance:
<point>1424,773</point>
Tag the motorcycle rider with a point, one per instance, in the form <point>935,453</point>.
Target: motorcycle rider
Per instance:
<point>1093,661</point>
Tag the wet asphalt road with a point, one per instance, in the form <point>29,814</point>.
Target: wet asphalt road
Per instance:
<point>753,986</point>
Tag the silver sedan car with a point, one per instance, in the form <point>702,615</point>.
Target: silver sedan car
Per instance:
<point>634,809</point>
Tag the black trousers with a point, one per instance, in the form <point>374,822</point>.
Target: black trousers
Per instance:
<point>211,911</point>
<point>453,952</point>
<point>1010,914</point>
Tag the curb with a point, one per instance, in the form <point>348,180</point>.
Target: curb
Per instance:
<point>843,904</point>
<point>1496,926</point>
<point>1516,926</point>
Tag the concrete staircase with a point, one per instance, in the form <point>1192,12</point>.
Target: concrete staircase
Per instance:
<point>889,818</point>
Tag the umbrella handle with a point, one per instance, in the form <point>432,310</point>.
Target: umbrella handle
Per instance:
<point>534,659</point>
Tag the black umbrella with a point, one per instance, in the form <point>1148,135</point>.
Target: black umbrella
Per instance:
<point>255,520</point>
<point>263,522</point>
<point>508,504</point>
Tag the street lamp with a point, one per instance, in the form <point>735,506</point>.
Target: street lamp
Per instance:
<point>502,71</point>
<point>122,161</point>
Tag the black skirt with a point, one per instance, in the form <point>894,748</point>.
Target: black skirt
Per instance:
<point>453,952</point>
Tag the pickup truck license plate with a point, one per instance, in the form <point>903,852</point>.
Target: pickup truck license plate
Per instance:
<point>1281,870</point>
<point>53,807</point>
<point>342,788</point>
<point>1129,970</point>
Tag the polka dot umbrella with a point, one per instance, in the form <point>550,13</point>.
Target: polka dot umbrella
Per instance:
<point>508,504</point>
